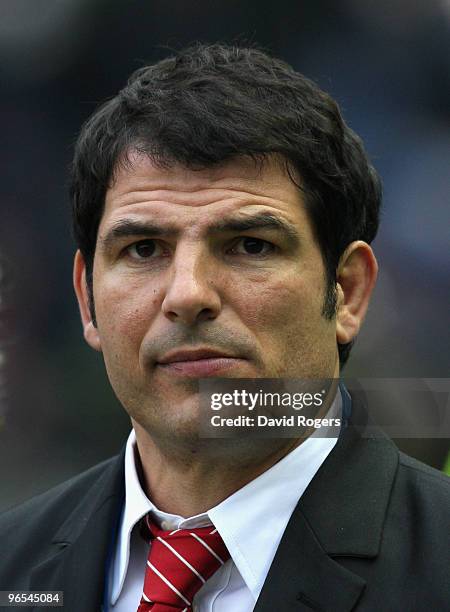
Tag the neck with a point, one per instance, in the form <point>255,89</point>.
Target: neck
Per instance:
<point>191,483</point>
<point>193,476</point>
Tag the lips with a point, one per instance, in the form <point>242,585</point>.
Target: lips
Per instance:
<point>192,355</point>
<point>201,362</point>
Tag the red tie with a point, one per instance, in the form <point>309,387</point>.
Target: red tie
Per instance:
<point>178,565</point>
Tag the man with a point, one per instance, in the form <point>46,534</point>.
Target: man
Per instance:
<point>223,213</point>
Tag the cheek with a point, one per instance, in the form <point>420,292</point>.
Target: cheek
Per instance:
<point>124,310</point>
<point>283,303</point>
<point>285,316</point>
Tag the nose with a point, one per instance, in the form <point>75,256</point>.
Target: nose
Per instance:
<point>191,296</point>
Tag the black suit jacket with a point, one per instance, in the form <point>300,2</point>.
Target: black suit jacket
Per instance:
<point>371,533</point>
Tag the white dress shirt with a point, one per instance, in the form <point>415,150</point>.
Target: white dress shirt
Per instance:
<point>251,523</point>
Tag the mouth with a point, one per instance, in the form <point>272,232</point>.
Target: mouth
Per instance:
<point>198,363</point>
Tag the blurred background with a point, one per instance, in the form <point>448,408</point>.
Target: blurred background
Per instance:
<point>387,62</point>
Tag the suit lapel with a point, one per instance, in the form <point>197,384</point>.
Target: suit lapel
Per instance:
<point>80,548</point>
<point>341,514</point>
<point>303,577</point>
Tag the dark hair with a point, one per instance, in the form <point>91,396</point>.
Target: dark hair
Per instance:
<point>210,103</point>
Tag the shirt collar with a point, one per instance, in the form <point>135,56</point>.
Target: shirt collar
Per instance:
<point>253,520</point>
<point>263,505</point>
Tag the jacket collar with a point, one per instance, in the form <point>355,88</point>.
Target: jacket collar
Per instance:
<point>341,514</point>
<point>76,564</point>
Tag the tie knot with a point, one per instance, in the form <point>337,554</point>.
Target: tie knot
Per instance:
<point>179,563</point>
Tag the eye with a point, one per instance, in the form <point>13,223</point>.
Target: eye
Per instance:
<point>144,249</point>
<point>253,246</point>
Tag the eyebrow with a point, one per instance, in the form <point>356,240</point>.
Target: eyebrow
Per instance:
<point>127,228</point>
<point>258,221</point>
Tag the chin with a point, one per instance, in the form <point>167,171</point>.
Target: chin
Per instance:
<point>178,419</point>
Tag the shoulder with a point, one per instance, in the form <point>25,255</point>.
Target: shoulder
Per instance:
<point>49,510</point>
<point>422,471</point>
<point>418,520</point>
<point>32,531</point>
<point>420,481</point>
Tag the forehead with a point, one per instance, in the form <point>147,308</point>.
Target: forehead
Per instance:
<point>185,196</point>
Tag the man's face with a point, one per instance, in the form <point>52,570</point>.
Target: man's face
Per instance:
<point>214,272</point>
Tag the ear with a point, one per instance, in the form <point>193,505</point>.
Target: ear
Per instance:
<point>79,282</point>
<point>356,277</point>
